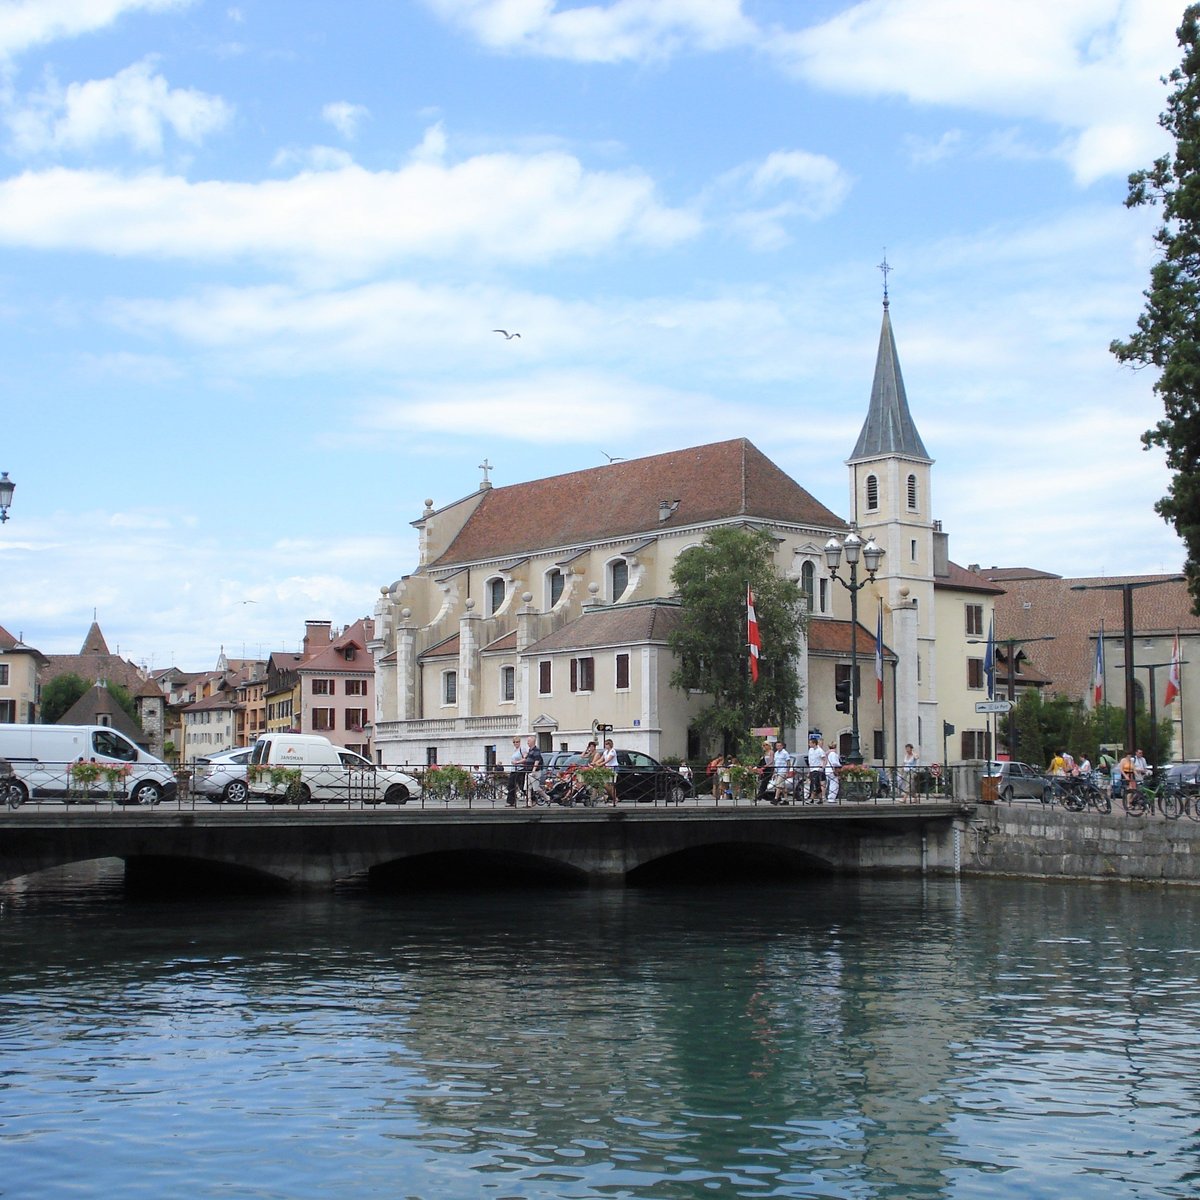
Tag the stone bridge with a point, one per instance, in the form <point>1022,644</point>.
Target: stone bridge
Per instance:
<point>317,849</point>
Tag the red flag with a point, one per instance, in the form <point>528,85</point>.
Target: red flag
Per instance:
<point>752,634</point>
<point>1173,675</point>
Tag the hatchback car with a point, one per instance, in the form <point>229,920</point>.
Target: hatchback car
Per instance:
<point>645,780</point>
<point>1018,781</point>
<point>222,777</point>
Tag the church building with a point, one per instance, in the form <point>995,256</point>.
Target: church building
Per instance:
<point>545,607</point>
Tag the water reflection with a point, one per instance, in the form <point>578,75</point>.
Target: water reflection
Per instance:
<point>834,1038</point>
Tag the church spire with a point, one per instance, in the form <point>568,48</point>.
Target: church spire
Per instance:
<point>889,427</point>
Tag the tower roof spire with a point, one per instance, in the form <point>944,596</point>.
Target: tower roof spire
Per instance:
<point>889,427</point>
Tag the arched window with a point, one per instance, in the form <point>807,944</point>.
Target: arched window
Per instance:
<point>808,574</point>
<point>618,578</point>
<point>873,493</point>
<point>912,491</point>
<point>496,589</point>
<point>555,583</point>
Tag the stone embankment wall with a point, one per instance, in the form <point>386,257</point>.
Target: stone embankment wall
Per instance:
<point>1050,843</point>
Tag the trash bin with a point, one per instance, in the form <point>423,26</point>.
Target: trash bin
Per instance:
<point>989,788</point>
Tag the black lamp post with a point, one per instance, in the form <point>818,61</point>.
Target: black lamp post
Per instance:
<point>1155,749</point>
<point>871,554</point>
<point>1126,590</point>
<point>7,487</point>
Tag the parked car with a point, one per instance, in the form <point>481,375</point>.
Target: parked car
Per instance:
<point>1185,774</point>
<point>1019,781</point>
<point>222,776</point>
<point>645,780</point>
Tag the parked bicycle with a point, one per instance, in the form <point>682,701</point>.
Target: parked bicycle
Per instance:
<point>1145,798</point>
<point>1077,794</point>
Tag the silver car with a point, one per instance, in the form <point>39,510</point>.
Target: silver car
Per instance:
<point>1019,781</point>
<point>222,777</point>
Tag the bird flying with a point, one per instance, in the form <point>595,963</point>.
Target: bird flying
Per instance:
<point>508,337</point>
<point>612,458</point>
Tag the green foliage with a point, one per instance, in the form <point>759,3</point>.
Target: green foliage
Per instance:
<point>710,641</point>
<point>1168,329</point>
<point>446,782</point>
<point>64,690</point>
<point>58,696</point>
<point>1043,727</point>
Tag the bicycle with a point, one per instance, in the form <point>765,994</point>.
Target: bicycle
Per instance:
<point>1142,798</point>
<point>1077,795</point>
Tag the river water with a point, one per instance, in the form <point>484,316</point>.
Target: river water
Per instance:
<point>846,1038</point>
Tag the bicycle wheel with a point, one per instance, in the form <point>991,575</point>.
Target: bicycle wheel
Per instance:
<point>1100,802</point>
<point>1172,805</point>
<point>1136,804</point>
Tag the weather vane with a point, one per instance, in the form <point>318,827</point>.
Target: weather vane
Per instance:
<point>883,266</point>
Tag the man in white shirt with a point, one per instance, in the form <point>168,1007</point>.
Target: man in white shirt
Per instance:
<point>782,764</point>
<point>833,765</point>
<point>816,768</point>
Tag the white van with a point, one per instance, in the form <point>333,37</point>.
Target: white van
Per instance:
<point>325,772</point>
<point>43,757</point>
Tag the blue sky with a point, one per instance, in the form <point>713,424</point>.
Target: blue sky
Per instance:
<point>251,256</point>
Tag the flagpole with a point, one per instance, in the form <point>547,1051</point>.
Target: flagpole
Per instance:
<point>1182,723</point>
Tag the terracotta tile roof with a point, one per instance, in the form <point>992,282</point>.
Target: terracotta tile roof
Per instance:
<point>447,648</point>
<point>619,625</point>
<point>506,641</point>
<point>90,667</point>
<point>714,482</point>
<point>833,638</point>
<point>10,644</point>
<point>1037,603</point>
<point>962,580</point>
<point>220,700</point>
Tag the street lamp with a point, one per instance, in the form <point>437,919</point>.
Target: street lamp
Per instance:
<point>852,546</point>
<point>1126,590</point>
<point>7,487</point>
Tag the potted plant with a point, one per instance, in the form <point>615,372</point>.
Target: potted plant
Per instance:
<point>858,783</point>
<point>445,783</point>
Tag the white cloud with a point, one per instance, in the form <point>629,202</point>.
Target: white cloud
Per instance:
<point>28,23</point>
<point>618,31</point>
<point>1090,67</point>
<point>345,117</point>
<point>496,207</point>
<point>137,106</point>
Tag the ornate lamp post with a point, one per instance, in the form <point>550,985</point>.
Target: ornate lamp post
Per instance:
<point>852,546</point>
<point>7,487</point>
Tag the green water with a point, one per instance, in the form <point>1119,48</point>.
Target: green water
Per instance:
<point>828,1038</point>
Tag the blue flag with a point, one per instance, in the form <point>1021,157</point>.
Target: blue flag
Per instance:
<point>989,659</point>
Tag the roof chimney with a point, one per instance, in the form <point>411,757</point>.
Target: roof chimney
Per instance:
<point>317,635</point>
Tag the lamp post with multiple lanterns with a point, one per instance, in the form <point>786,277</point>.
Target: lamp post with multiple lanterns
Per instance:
<point>871,555</point>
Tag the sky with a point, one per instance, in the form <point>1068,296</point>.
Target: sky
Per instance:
<point>252,256</point>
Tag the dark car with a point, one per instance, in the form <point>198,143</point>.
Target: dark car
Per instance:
<point>1185,774</point>
<point>645,780</point>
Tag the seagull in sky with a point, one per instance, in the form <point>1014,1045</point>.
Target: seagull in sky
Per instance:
<point>508,337</point>
<point>613,457</point>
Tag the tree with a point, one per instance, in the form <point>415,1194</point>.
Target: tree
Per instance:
<point>1168,330</point>
<point>63,690</point>
<point>710,641</point>
<point>58,696</point>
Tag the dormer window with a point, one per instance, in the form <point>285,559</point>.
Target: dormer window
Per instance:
<point>496,590</point>
<point>618,579</point>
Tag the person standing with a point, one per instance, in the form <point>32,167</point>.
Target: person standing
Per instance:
<point>833,767</point>
<point>766,771</point>
<point>609,760</point>
<point>912,760</point>
<point>1141,768</point>
<point>533,763</point>
<point>816,768</point>
<point>516,773</point>
<point>782,769</point>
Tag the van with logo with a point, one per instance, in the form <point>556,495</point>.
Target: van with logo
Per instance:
<point>82,763</point>
<point>303,767</point>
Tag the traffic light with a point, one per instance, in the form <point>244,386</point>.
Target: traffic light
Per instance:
<point>842,688</point>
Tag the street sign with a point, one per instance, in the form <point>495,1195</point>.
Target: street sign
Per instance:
<point>993,706</point>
